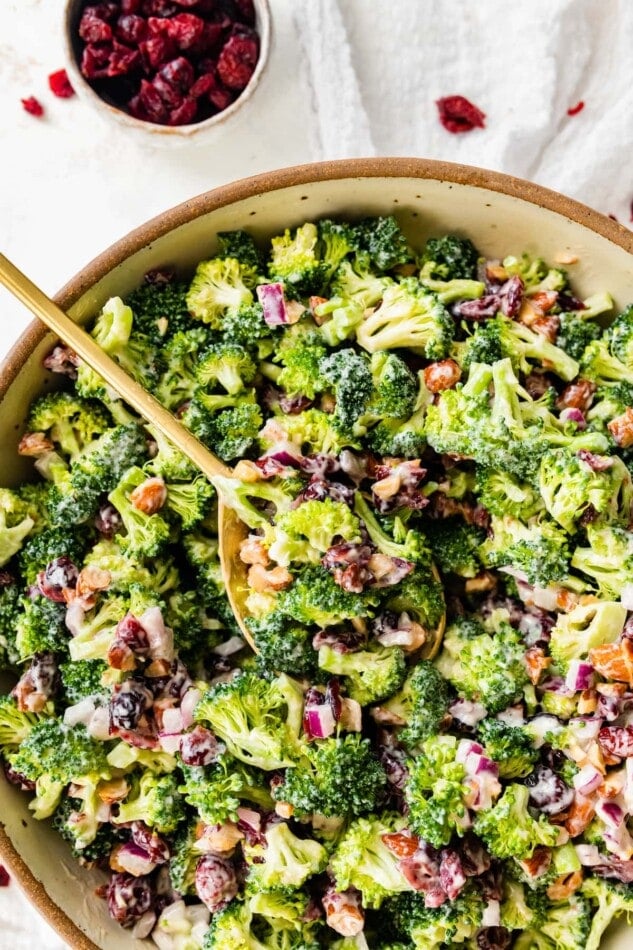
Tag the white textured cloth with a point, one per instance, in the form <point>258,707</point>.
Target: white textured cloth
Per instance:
<point>346,78</point>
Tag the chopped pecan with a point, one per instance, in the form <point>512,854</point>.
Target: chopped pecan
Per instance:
<point>621,428</point>
<point>263,581</point>
<point>564,885</point>
<point>401,843</point>
<point>536,661</point>
<point>579,815</point>
<point>150,496</point>
<point>35,444</point>
<point>547,327</point>
<point>253,551</point>
<point>442,375</point>
<point>578,395</point>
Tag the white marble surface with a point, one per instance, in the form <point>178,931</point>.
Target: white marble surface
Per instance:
<point>345,78</point>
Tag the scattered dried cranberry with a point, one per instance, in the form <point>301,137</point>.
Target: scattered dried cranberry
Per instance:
<point>458,114</point>
<point>59,84</point>
<point>574,110</point>
<point>238,59</point>
<point>5,880</point>
<point>33,106</point>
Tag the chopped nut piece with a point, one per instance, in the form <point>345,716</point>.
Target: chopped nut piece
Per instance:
<point>580,815</point>
<point>150,496</point>
<point>483,581</point>
<point>35,444</point>
<point>221,839</point>
<point>284,809</point>
<point>92,579</point>
<point>262,580</point>
<point>253,551</point>
<point>441,375</point>
<point>247,471</point>
<point>328,403</point>
<point>565,257</point>
<point>588,702</point>
<point>564,885</point>
<point>112,791</point>
<point>621,428</point>
<point>614,660</point>
<point>536,662</point>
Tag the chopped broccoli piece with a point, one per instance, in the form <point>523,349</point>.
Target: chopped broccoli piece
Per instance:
<point>245,326</point>
<point>454,923</point>
<point>241,246</point>
<point>511,747</point>
<point>454,546</point>
<point>320,523</point>
<point>620,337</point>
<point>242,497</point>
<point>83,679</point>
<point>296,260</point>
<point>259,720</point>
<point>316,598</point>
<point>146,535</point>
<point>10,610</point>
<point>288,861</point>
<point>218,285</point>
<point>435,792</point>
<point>229,425</point>
<point>371,675</point>
<point>216,791</point>
<point>180,356</point>
<point>154,799</point>
<point>535,273</point>
<point>568,924</point>
<point>608,560</point>
<point>90,840</point>
<point>190,501</point>
<point>300,351</point>
<point>133,351</point>
<point>603,369</point>
<point>160,309</point>
<point>486,668</point>
<point>501,493</point>
<point>15,524</point>
<point>453,258</point>
<point>382,239</point>
<point>395,388</point>
<point>311,431</point>
<point>575,334</point>
<point>363,860</point>
<point>421,596</point>
<point>228,364</point>
<point>583,628</point>
<point>413,547</point>
<point>334,777</point>
<point>570,487</point>
<point>421,704</point>
<point>540,551</point>
<point>610,900</point>
<point>355,281</point>
<point>69,421</point>
<point>349,374</point>
<point>15,725</point>
<point>408,316</point>
<point>41,627</point>
<point>60,753</point>
<point>508,829</point>
<point>282,646</point>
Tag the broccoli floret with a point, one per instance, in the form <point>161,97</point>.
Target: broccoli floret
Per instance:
<point>296,260</point>
<point>181,356</point>
<point>454,546</point>
<point>133,351</point>
<point>217,791</point>
<point>228,364</point>
<point>349,374</point>
<point>282,646</point>
<point>453,258</point>
<point>363,860</point>
<point>569,923</point>
<point>311,431</point>
<point>161,576</point>
<point>316,598</point>
<point>435,792</point>
<point>413,547</point>
<point>154,799</point>
<point>41,627</point>
<point>83,679</point>
<point>160,309</point>
<point>219,284</point>
<point>609,402</point>
<point>511,747</point>
<point>395,388</point>
<point>448,291</point>
<point>421,704</point>
<point>454,923</point>
<point>60,753</point>
<point>15,524</point>
<point>189,500</point>
<point>408,316</point>
<point>288,861</point>
<point>334,777</point>
<point>583,628</point>
<point>570,486</point>
<point>246,326</point>
<point>420,596</point>
<point>502,338</point>
<point>383,241</point>
<point>400,439</point>
<point>608,560</point>
<point>603,369</point>
<point>320,524</point>
<point>146,535</point>
<point>231,929</point>
<point>540,551</point>
<point>10,610</point>
<point>95,631</point>
<point>508,829</point>
<point>69,421</point>
<point>75,821</point>
<point>522,907</point>
<point>610,900</point>
<point>268,920</point>
<point>300,351</point>
<point>620,337</point>
<point>243,497</point>
<point>259,720</point>
<point>356,281</point>
<point>535,273</point>
<point>241,246</point>
<point>371,675</point>
<point>15,725</point>
<point>575,333</point>
<point>503,494</point>
<point>228,425</point>
<point>486,668</point>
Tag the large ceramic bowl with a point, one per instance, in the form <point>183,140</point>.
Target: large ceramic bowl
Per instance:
<point>499,213</point>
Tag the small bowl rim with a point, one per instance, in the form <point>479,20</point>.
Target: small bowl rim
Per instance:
<point>176,132</point>
<point>186,211</point>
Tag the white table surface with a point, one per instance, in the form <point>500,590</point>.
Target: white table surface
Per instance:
<point>345,78</point>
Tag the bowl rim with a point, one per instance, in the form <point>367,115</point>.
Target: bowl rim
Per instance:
<point>182,133</point>
<point>186,211</point>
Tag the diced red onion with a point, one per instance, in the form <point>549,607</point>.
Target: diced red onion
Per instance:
<point>626,596</point>
<point>619,842</point>
<point>99,725</point>
<point>172,720</point>
<point>491,916</point>
<point>587,780</point>
<point>189,702</point>
<point>573,415</point>
<point>467,712</point>
<point>134,860</point>
<point>233,645</point>
<point>160,637</point>
<point>271,297</point>
<point>467,747</point>
<point>579,676</point>
<point>75,616</point>
<point>588,855</point>
<point>556,684</point>
<point>82,712</point>
<point>512,716</point>
<point>319,721</point>
<point>546,597</point>
<point>610,812</point>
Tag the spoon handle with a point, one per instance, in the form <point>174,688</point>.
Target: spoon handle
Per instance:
<point>116,377</point>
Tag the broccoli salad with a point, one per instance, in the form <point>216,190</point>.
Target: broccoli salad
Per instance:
<point>417,436</point>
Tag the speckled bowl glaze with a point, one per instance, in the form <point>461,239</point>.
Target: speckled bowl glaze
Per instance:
<point>149,133</point>
<point>500,214</point>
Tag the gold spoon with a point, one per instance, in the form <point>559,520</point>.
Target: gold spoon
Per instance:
<point>231,531</point>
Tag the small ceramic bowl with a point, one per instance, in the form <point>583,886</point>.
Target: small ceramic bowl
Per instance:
<point>149,132</point>
<point>499,213</point>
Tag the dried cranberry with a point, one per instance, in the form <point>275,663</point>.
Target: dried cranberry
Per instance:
<point>237,60</point>
<point>617,740</point>
<point>131,632</point>
<point>59,84</point>
<point>5,880</point>
<point>479,309</point>
<point>159,8</point>
<point>452,876</point>
<point>574,110</point>
<point>333,697</point>
<point>16,778</point>
<point>151,842</point>
<point>131,28</point>
<point>61,359</point>
<point>344,641</point>
<point>92,29</point>
<point>123,60</point>
<point>216,883</point>
<point>511,294</point>
<point>156,51</point>
<point>94,61</point>
<point>179,73</point>
<point>168,93</point>
<point>202,87</point>
<point>43,674</point>
<point>33,106</point>
<point>186,30</point>
<point>199,747</point>
<point>211,38</point>
<point>221,98</point>
<point>394,763</point>
<point>6,579</point>
<point>130,6</point>
<point>458,114</point>
<point>128,704</point>
<point>128,898</point>
<point>108,521</point>
<point>57,576</point>
<point>548,792</point>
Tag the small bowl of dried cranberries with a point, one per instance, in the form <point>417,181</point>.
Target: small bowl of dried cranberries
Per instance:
<point>170,68</point>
